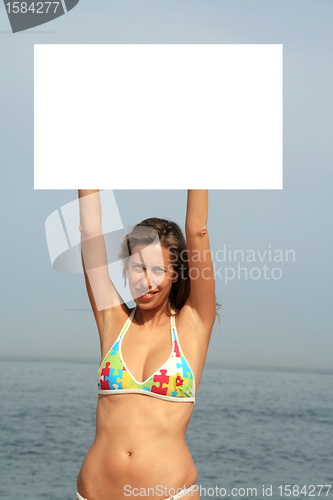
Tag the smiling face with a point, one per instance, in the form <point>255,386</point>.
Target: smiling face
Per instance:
<point>150,275</point>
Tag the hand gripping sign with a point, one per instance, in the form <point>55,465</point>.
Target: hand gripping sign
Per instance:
<point>79,227</point>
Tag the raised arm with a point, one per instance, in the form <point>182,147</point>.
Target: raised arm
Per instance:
<point>201,271</point>
<point>101,291</point>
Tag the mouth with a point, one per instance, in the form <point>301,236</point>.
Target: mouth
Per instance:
<point>148,295</point>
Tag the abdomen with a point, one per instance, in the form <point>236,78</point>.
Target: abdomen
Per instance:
<point>140,444</point>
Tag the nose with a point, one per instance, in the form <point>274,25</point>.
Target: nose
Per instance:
<point>148,280</point>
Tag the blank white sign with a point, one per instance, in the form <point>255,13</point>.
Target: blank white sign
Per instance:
<point>158,116</point>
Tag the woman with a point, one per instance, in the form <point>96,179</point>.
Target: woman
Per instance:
<point>140,447</point>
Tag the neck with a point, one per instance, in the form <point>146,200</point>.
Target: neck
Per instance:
<point>151,317</point>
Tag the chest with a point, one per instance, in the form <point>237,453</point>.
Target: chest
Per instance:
<point>144,353</point>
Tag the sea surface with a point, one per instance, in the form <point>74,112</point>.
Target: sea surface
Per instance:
<point>251,428</point>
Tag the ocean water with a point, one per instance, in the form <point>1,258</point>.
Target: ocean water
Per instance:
<point>249,429</point>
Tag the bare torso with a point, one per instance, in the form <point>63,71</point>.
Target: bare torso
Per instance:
<point>140,443</point>
<point>140,440</point>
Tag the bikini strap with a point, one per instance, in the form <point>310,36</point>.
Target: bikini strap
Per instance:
<point>172,319</point>
<point>127,324</point>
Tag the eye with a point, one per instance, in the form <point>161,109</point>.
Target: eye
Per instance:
<point>138,267</point>
<point>159,270</point>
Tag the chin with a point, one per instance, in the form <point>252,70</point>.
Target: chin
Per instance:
<point>148,304</point>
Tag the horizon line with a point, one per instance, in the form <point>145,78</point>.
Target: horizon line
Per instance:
<point>233,366</point>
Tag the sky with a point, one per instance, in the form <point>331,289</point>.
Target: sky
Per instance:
<point>281,322</point>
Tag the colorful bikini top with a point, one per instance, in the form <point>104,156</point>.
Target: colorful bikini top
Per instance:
<point>174,381</point>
